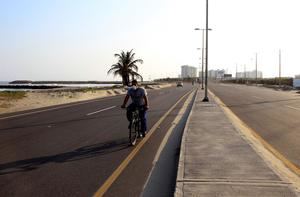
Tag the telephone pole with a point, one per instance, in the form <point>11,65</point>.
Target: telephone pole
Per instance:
<point>236,71</point>
<point>256,68</point>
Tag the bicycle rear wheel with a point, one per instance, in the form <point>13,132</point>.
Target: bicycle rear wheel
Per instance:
<point>133,133</point>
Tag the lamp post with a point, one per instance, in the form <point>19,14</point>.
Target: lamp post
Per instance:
<point>205,99</point>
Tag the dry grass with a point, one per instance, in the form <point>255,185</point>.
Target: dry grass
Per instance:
<point>12,95</point>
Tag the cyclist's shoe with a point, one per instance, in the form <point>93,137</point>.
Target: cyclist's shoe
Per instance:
<point>144,133</point>
<point>140,135</point>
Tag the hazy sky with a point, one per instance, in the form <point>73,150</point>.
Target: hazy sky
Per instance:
<point>76,40</point>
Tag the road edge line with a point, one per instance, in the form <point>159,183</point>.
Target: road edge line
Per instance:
<point>111,179</point>
<point>165,140</point>
<point>270,155</point>
<point>174,124</point>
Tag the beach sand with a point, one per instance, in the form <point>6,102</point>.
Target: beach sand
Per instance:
<point>34,100</point>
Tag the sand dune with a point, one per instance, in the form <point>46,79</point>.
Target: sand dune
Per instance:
<point>33,100</point>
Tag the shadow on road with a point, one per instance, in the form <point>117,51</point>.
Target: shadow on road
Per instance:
<point>75,155</point>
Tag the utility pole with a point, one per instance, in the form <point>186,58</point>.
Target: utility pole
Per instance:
<point>279,68</point>
<point>202,80</point>
<point>256,68</point>
<point>203,53</point>
<point>245,72</point>
<point>236,70</point>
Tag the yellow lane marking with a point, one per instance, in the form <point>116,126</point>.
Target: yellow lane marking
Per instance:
<point>126,161</point>
<point>251,135</point>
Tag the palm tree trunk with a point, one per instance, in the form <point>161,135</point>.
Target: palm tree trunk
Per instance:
<point>124,80</point>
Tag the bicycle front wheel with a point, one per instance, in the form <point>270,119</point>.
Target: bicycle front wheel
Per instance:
<point>133,133</point>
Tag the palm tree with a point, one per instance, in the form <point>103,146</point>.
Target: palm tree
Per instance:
<point>126,67</point>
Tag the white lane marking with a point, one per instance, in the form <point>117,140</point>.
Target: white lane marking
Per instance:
<point>54,108</point>
<point>101,110</point>
<point>257,97</point>
<point>295,108</point>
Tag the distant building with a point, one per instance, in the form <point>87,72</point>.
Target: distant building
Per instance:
<point>216,74</point>
<point>188,71</point>
<point>227,76</point>
<point>249,74</point>
<point>296,81</point>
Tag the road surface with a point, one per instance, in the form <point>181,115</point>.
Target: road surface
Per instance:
<point>71,150</point>
<point>274,115</point>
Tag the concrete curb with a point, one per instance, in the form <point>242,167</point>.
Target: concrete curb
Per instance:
<point>180,170</point>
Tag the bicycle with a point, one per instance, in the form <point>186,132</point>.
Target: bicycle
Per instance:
<point>134,127</point>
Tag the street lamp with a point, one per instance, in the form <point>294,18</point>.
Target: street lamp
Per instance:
<point>205,99</point>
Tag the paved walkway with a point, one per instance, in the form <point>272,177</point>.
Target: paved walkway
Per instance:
<point>215,161</point>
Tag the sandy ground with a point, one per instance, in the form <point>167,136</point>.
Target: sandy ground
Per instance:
<point>34,100</point>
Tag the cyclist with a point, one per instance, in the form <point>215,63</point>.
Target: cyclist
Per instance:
<point>139,99</point>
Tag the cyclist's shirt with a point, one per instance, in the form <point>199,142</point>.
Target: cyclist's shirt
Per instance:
<point>136,95</point>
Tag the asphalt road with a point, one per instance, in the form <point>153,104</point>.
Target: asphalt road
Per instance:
<point>71,150</point>
<point>274,115</point>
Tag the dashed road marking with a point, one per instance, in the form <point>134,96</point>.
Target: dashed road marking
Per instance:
<point>257,97</point>
<point>101,110</point>
<point>52,109</point>
<point>295,108</point>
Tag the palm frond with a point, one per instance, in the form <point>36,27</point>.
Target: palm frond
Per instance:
<point>114,67</point>
<point>126,66</point>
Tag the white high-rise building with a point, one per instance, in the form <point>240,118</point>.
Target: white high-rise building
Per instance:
<point>188,71</point>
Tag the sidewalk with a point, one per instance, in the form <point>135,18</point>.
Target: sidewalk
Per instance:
<point>216,161</point>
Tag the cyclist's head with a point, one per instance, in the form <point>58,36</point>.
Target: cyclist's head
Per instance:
<point>134,82</point>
